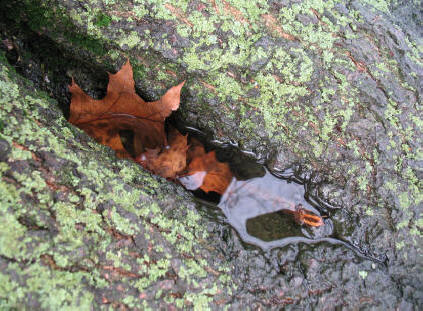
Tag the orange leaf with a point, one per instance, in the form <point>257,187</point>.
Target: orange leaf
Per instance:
<point>171,160</point>
<point>302,216</point>
<point>207,173</point>
<point>196,149</point>
<point>122,109</point>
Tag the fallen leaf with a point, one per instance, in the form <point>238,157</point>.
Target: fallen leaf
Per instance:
<point>207,173</point>
<point>303,216</point>
<point>196,149</point>
<point>171,161</point>
<point>122,109</point>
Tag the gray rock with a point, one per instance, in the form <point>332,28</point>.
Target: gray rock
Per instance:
<point>334,88</point>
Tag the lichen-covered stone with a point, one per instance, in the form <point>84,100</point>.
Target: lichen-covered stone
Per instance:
<point>80,229</point>
<point>332,85</point>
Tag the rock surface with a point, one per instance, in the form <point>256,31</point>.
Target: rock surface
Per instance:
<point>80,228</point>
<point>333,86</point>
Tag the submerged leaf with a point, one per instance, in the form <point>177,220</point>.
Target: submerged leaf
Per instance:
<point>122,109</point>
<point>302,216</point>
<point>206,172</point>
<point>171,161</point>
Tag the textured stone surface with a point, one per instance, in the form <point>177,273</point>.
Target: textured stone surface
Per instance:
<point>81,229</point>
<point>334,86</point>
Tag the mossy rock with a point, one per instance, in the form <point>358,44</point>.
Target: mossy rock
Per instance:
<point>333,86</point>
<point>80,228</point>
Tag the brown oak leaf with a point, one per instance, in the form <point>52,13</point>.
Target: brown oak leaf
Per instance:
<point>122,109</point>
<point>196,149</point>
<point>206,172</point>
<point>171,161</point>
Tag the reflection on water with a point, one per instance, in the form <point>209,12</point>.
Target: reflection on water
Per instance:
<point>273,226</point>
<point>264,211</point>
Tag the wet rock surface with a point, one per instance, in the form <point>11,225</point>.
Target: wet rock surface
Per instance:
<point>81,230</point>
<point>333,89</point>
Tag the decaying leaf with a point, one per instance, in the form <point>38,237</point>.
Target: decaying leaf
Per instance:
<point>207,173</point>
<point>171,161</point>
<point>122,109</point>
<point>303,216</point>
<point>196,149</point>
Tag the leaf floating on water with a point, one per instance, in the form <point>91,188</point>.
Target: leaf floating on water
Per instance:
<point>302,216</point>
<point>196,149</point>
<point>122,109</point>
<point>218,174</point>
<point>170,161</point>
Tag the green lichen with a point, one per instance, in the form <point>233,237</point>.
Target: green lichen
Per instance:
<point>363,274</point>
<point>60,290</point>
<point>41,16</point>
<point>130,40</point>
<point>103,20</point>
